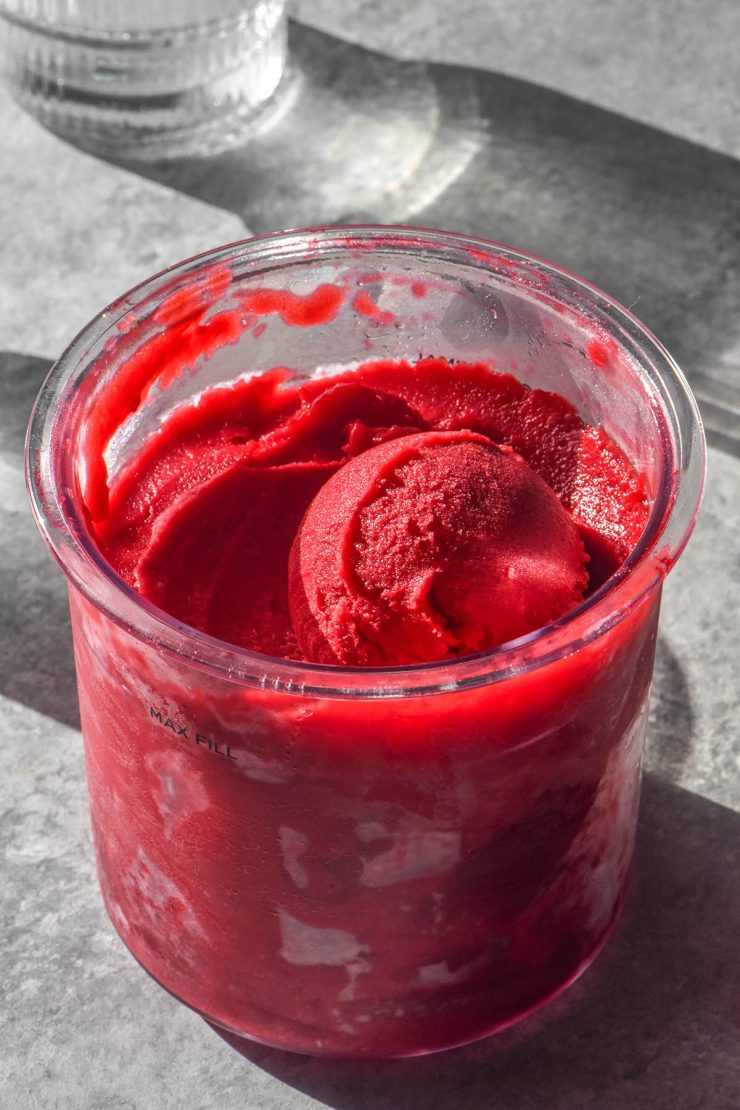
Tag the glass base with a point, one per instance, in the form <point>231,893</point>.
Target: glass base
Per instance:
<point>245,1043</point>
<point>154,93</point>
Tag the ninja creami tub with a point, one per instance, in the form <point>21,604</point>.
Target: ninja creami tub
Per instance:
<point>365,531</point>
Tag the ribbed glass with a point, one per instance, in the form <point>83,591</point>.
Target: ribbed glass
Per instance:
<point>143,79</point>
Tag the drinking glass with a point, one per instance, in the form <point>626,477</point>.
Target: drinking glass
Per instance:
<point>145,79</point>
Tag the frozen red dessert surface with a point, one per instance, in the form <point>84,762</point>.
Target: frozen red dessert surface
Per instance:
<point>433,545</point>
<point>441,508</point>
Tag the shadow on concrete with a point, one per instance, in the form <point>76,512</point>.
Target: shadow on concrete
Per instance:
<point>662,999</point>
<point>672,718</point>
<point>362,137</point>
<point>36,663</point>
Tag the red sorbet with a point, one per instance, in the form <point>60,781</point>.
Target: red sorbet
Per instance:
<point>497,490</point>
<point>433,545</point>
<point>370,873</point>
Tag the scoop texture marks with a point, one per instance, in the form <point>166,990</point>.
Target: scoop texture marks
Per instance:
<point>435,545</point>
<point>392,514</point>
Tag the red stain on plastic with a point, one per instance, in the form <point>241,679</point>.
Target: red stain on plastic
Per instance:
<point>366,306</point>
<point>601,351</point>
<point>319,307</point>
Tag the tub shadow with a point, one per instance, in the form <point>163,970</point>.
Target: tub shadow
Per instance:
<point>672,718</point>
<point>653,1024</point>
<point>36,662</point>
<point>355,135</point>
<point>362,137</point>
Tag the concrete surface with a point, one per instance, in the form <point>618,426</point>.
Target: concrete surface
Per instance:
<point>601,136</point>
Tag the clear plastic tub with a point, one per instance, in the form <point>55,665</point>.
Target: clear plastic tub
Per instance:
<point>359,862</point>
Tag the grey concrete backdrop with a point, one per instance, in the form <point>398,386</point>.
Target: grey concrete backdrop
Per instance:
<point>603,136</point>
